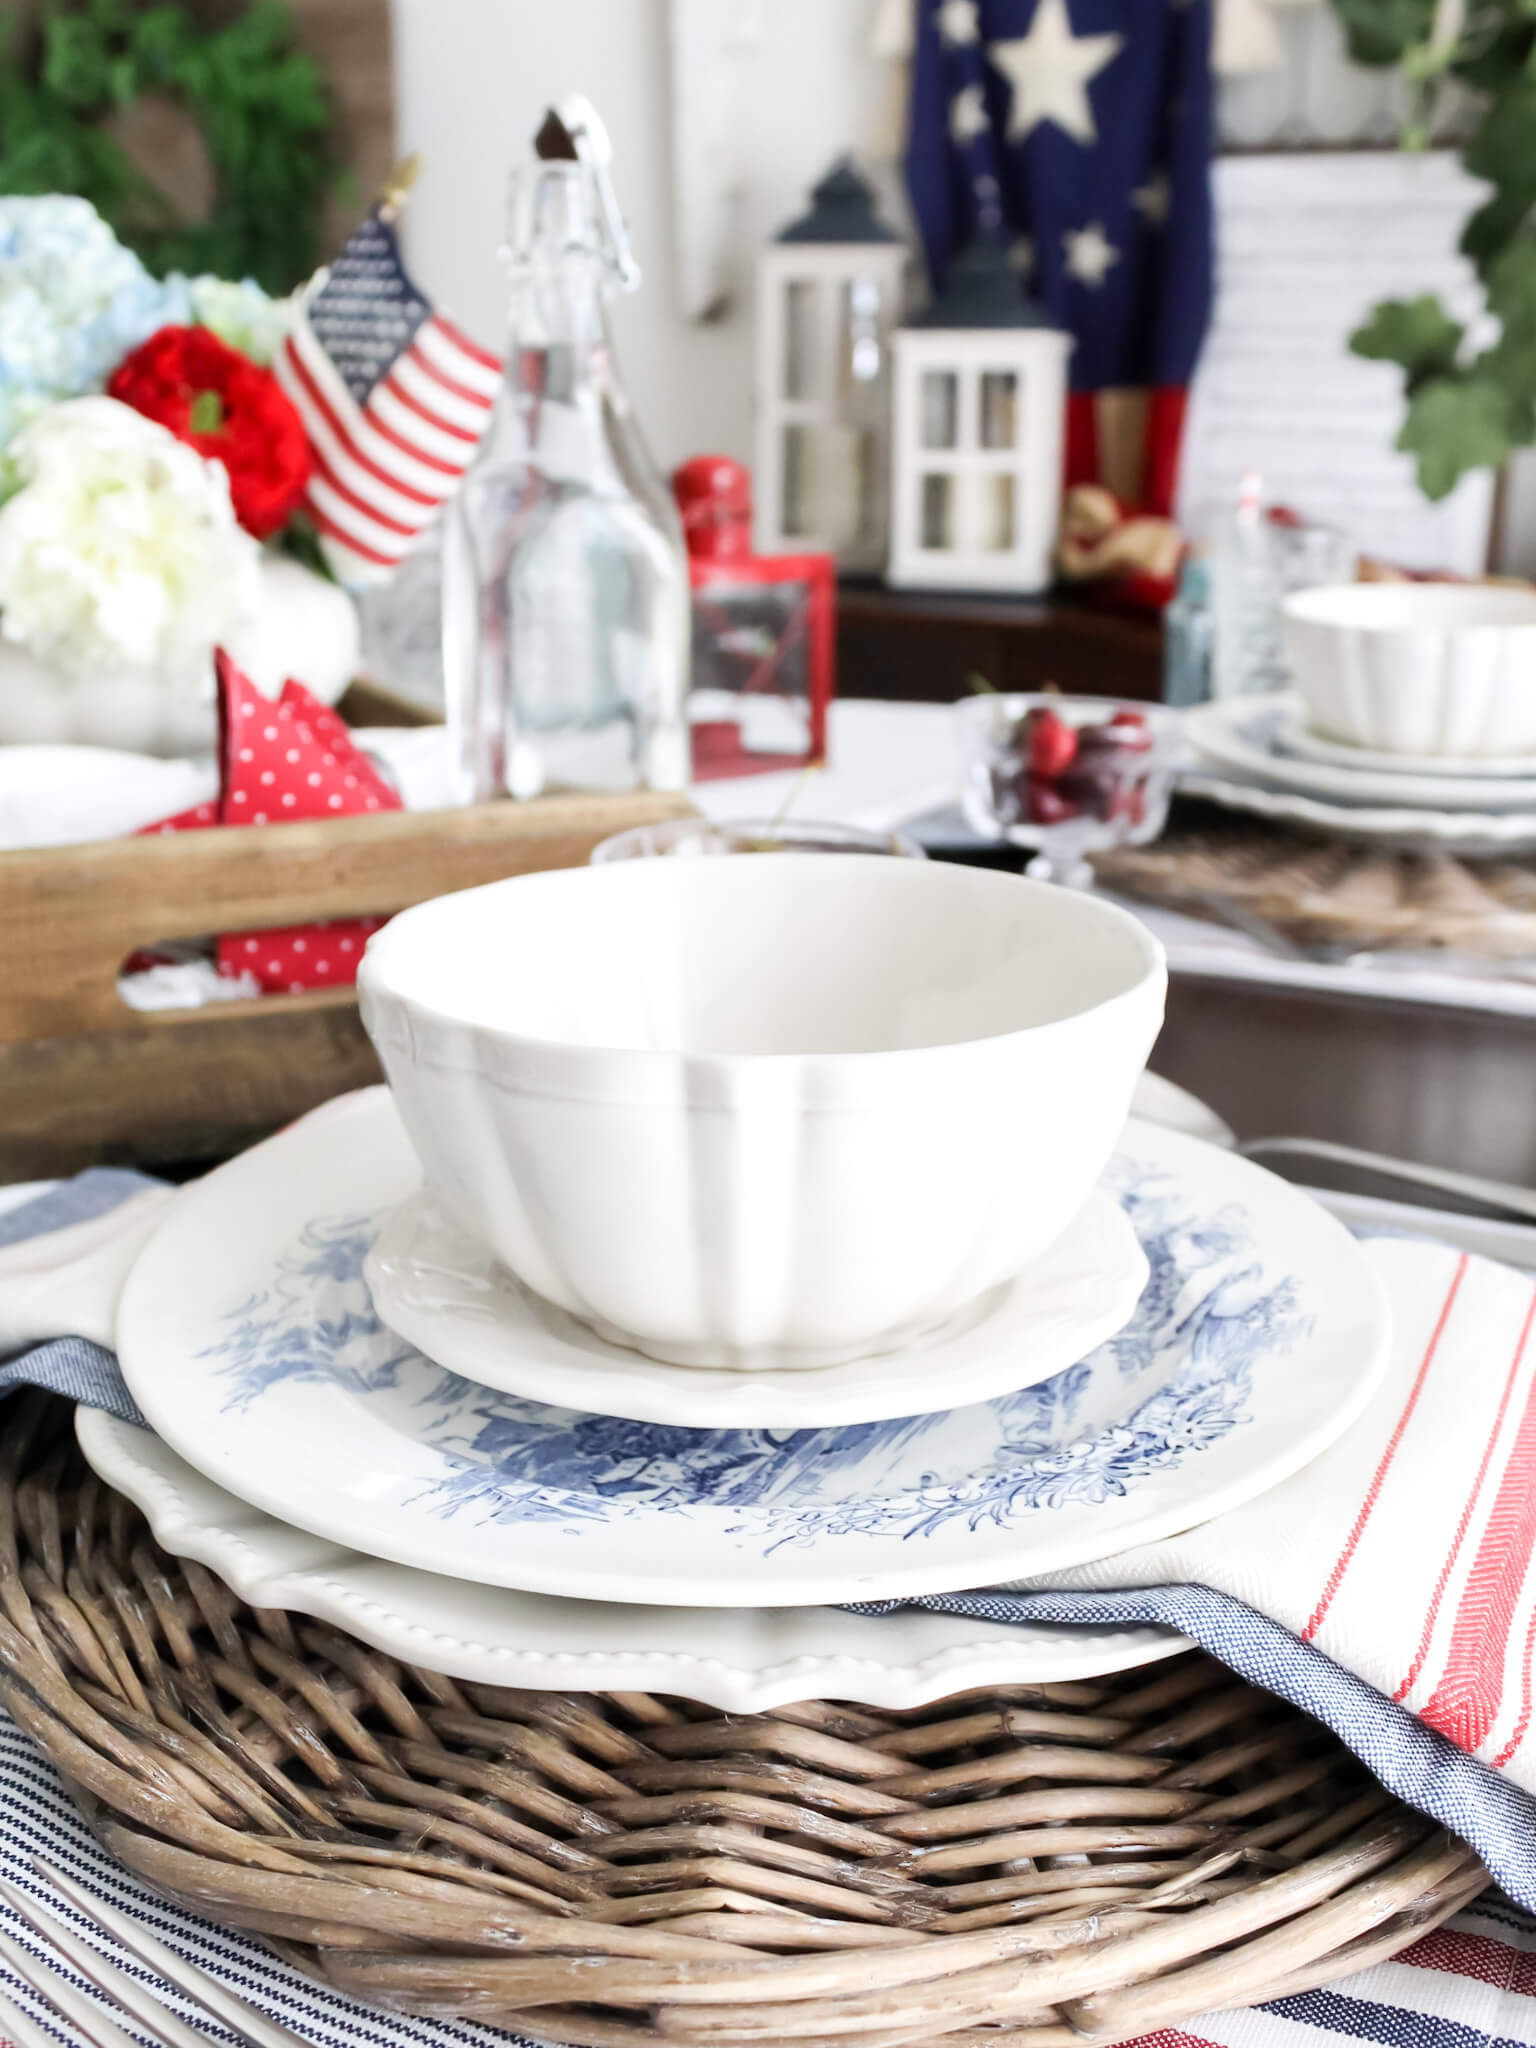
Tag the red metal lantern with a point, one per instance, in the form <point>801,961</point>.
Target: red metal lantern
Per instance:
<point>764,633</point>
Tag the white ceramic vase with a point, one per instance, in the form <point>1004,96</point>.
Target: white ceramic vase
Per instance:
<point>304,627</point>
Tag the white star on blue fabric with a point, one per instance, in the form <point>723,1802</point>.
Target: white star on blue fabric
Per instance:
<point>1090,254</point>
<point>958,23</point>
<point>1153,200</point>
<point>968,115</point>
<point>1049,70</point>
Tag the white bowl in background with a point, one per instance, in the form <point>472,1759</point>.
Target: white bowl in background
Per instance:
<point>788,1109</point>
<point>1440,669</point>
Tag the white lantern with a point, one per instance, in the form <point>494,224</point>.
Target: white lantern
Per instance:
<point>829,295</point>
<point>981,394</point>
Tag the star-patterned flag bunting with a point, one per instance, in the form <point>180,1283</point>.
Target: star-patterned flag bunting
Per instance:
<point>1085,124</point>
<point>279,763</point>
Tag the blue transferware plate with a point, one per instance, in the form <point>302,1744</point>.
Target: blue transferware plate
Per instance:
<point>249,1339</point>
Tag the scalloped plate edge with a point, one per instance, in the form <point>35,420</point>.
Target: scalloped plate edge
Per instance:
<point>486,1634</point>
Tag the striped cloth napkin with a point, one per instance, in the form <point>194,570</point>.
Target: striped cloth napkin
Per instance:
<point>1389,1589</point>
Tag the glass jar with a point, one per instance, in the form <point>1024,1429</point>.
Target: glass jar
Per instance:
<point>565,582</point>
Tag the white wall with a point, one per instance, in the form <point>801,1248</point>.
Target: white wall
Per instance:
<point>473,78</point>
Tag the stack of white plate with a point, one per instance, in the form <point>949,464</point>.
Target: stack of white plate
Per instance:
<point>1258,754</point>
<point>848,1135</point>
<point>318,1460</point>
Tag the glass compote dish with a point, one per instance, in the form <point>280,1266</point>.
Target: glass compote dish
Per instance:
<point>1066,777</point>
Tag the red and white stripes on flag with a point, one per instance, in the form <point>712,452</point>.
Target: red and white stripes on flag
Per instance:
<point>383,468</point>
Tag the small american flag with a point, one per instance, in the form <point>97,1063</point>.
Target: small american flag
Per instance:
<point>394,400</point>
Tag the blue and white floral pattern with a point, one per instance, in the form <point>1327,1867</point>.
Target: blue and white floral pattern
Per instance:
<point>1210,1315</point>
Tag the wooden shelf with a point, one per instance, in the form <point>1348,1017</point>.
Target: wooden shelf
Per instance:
<point>84,1079</point>
<point>927,645</point>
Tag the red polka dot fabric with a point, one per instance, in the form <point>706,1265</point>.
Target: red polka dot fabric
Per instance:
<point>280,763</point>
<point>299,957</point>
<point>289,760</point>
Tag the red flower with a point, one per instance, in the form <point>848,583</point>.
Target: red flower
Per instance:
<point>225,407</point>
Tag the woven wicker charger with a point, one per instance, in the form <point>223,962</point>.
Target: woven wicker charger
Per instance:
<point>1031,1864</point>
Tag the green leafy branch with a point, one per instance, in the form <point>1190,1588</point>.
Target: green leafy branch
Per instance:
<point>259,102</point>
<point>1467,407</point>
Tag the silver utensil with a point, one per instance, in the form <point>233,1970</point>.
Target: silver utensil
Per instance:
<point>1502,1196</point>
<point>126,1992</point>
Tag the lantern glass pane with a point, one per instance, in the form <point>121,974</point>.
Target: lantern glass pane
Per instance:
<point>938,510</point>
<point>860,355</point>
<point>800,310</point>
<point>996,524</point>
<point>999,409</point>
<point>940,409</point>
<point>796,515</point>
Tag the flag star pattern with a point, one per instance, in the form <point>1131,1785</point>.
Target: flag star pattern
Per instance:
<point>394,400</point>
<point>1089,254</point>
<point>1153,199</point>
<point>968,114</point>
<point>958,22</point>
<point>1096,154</point>
<point>1049,70</point>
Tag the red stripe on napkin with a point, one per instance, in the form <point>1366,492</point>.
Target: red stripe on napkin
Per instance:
<point>1457,1954</point>
<point>1523,1725</point>
<point>1373,1494</point>
<point>1466,1702</point>
<point>1467,1512</point>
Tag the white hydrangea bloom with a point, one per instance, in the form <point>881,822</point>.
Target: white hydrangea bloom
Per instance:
<point>120,550</point>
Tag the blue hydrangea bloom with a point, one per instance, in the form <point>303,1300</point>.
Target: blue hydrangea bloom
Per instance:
<point>73,302</point>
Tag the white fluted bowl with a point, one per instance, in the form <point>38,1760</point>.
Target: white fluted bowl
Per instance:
<point>1417,668</point>
<point>783,1109</point>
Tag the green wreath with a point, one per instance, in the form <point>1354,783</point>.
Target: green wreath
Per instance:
<point>260,105</point>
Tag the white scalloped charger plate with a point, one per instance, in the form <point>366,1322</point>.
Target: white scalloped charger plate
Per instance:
<point>1247,733</point>
<point>444,1292</point>
<point>742,1661</point>
<point>1475,835</point>
<point>248,1338</point>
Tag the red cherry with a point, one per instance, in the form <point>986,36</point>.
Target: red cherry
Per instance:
<point>1052,744</point>
<point>1046,806</point>
<point>1093,790</point>
<point>1131,730</point>
<point>1097,743</point>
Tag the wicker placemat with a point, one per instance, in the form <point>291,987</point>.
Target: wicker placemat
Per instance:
<point>1028,1864</point>
<point>1330,892</point>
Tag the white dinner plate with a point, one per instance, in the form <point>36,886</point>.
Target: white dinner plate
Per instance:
<point>1245,734</point>
<point>742,1661</point>
<point>249,1341</point>
<point>1292,735</point>
<point>446,1293</point>
<point>1471,835</point>
<point>1160,1101</point>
